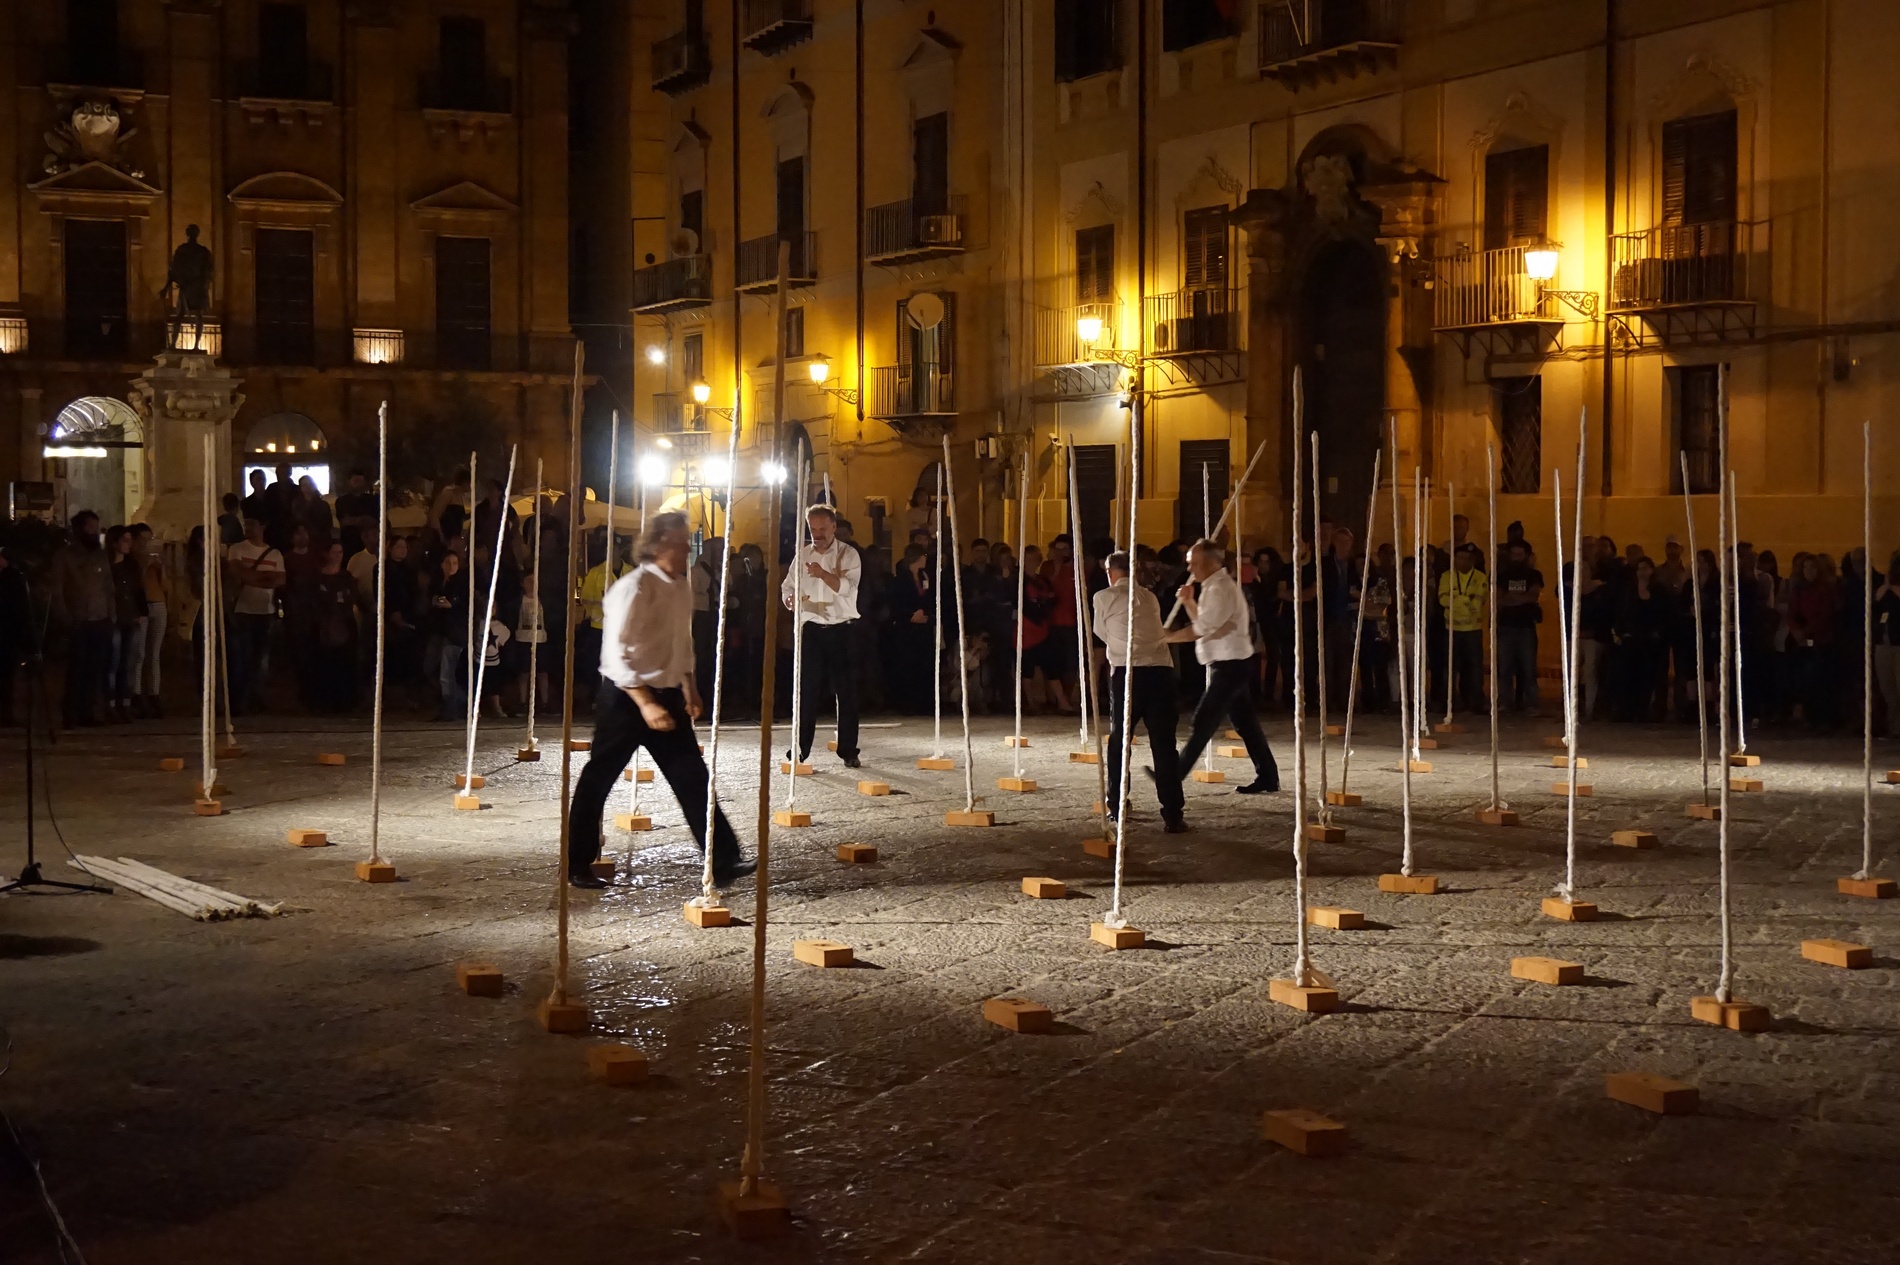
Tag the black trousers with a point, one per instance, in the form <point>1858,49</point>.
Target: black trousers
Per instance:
<point>1467,652</point>
<point>88,662</point>
<point>830,668</point>
<point>1156,711</point>
<point>1225,698</point>
<point>619,731</point>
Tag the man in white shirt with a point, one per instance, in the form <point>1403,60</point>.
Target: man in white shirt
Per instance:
<point>648,698</point>
<point>1153,687</point>
<point>258,570</point>
<point>821,590</point>
<point>1223,643</point>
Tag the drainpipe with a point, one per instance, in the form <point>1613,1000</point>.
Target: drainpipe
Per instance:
<point>1606,426</point>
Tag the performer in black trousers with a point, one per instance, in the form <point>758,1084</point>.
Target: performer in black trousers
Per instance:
<point>1154,687</point>
<point>648,699</point>
<point>823,578</point>
<point>1223,641</point>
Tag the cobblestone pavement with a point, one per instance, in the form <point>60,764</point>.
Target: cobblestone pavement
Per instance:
<point>314,1088</point>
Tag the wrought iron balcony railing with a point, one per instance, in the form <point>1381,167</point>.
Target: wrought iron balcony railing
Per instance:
<point>916,390</point>
<point>772,26</point>
<point>907,231</point>
<point>681,62</point>
<point>1683,265</point>
<point>1080,334</point>
<point>673,285</point>
<point>1302,40</point>
<point>758,261</point>
<point>1486,287</point>
<point>1195,320</point>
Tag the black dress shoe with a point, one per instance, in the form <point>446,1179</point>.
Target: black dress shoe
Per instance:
<point>737,872</point>
<point>1259,786</point>
<point>850,761</point>
<point>587,879</point>
<point>1176,825</point>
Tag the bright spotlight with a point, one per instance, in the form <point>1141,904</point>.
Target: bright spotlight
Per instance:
<point>656,355</point>
<point>1088,330</point>
<point>654,470</point>
<point>714,471</point>
<point>772,472</point>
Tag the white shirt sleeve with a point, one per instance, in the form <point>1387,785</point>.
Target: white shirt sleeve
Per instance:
<point>645,638</point>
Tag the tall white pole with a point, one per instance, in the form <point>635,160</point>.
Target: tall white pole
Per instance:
<point>382,634</point>
<point>1421,575</point>
<point>1491,589</point>
<point>1319,630</point>
<point>1727,605</point>
<point>1207,533</point>
<point>936,660</point>
<point>1701,670</point>
<point>1302,965</point>
<point>1114,916</point>
<point>963,679</point>
<point>541,614</point>
<point>468,645</point>
<point>1406,752</point>
<point>1569,889</point>
<point>1735,556</point>
<point>478,671</point>
<point>207,718</point>
<point>1022,542</point>
<point>633,787</point>
<point>1451,569</point>
<point>1867,650</point>
<point>706,885</point>
<point>801,538</point>
<point>1358,632</point>
<point>1093,742</point>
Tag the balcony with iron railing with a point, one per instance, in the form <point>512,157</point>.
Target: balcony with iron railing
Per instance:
<point>673,285</point>
<point>1194,321</point>
<point>305,82</point>
<point>1303,42</point>
<point>487,94</point>
<point>675,414</point>
<point>911,392</point>
<point>913,230</point>
<point>96,66</point>
<point>1487,287</point>
<point>1688,282</point>
<point>758,261</point>
<point>772,26</point>
<point>1080,334</point>
<point>681,62</point>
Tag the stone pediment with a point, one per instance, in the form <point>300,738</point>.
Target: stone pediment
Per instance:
<point>96,189</point>
<point>463,203</point>
<point>285,196</point>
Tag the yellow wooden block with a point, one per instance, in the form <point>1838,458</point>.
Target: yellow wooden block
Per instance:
<point>332,759</point>
<point>479,979</point>
<point>1209,776</point>
<point>1705,812</point>
<point>857,853</point>
<point>1409,884</point>
<point>1344,799</point>
<point>1231,752</point>
<point>1336,918</point>
<point>1013,741</point>
<point>617,1064</point>
<point>1019,1014</point>
<point>1497,817</point>
<point>1872,888</point>
<point>1558,741</point>
<point>1311,998</point>
<point>1116,937</point>
<point>475,783</point>
<point>936,764</point>
<point>832,745</point>
<point>1563,788</point>
<point>1335,731</point>
<point>376,871</point>
<point>708,915</point>
<point>1429,744</point>
<point>1738,1016</point>
<point>171,764</point>
<point>230,751</point>
<point>1547,970</point>
<point>1021,784</point>
<point>1569,910</point>
<point>1563,762</point>
<point>822,952</point>
<point>302,838</point>
<point>1045,888</point>
<point>1420,766</point>
<point>979,818</point>
<point>1084,757</point>
<point>564,1018</point>
<point>632,823</point>
<point>784,766</point>
<point>1633,839</point>
<point>207,808</point>
<point>791,818</point>
<point>580,744</point>
<point>1104,848</point>
<point>763,1214</point>
<point>1744,785</point>
<point>1230,732</point>
<point>603,867</point>
<point>1840,953</point>
<point>874,788</point>
<point>1303,1132</point>
<point>528,755</point>
<point>1653,1093</point>
<point>468,803</point>
<point>1743,760</point>
<point>1893,777</point>
<point>644,776</point>
<point>1319,832</point>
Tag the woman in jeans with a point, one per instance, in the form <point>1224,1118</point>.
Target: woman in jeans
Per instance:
<point>448,608</point>
<point>128,626</point>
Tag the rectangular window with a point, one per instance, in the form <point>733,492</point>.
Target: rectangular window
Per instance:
<point>791,197</point>
<point>1516,196</point>
<point>1204,248</point>
<point>462,63</point>
<point>286,297</point>
<point>1095,489</point>
<point>1085,38</point>
<point>1518,404</point>
<point>1185,23</point>
<point>95,288</point>
<point>794,331</point>
<point>92,42</point>
<point>693,216</point>
<point>930,346</point>
<point>1095,264</point>
<point>1194,515</point>
<point>1695,421</point>
<point>462,303</point>
<point>930,166</point>
<point>1698,169</point>
<point>283,51</point>
<point>693,359</point>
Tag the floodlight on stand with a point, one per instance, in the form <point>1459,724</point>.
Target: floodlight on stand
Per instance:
<point>654,470</point>
<point>714,471</point>
<point>656,355</point>
<point>701,393</point>
<point>662,441</point>
<point>1540,261</point>
<point>772,471</point>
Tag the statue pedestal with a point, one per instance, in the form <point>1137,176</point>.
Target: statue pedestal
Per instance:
<point>183,397</point>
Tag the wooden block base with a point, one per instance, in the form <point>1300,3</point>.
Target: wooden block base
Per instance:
<point>1084,757</point>
<point>1547,970</point>
<point>1737,1016</point>
<point>1633,839</point>
<point>763,1214</point>
<point>1310,998</point>
<point>1429,744</point>
<point>1019,1014</point>
<point>1013,741</point>
<point>1745,785</point>
<point>1871,888</point>
<point>1335,731</point>
<point>332,759</point>
<point>1045,888</point>
<point>1558,741</point>
<point>832,745</point>
<point>603,867</point>
<point>171,764</point>
<point>1409,884</point>
<point>376,871</point>
<point>1705,812</point>
<point>1419,766</point>
<point>580,744</point>
<point>1563,788</point>
<point>1653,1093</point>
<point>784,766</point>
<point>1318,832</point>
<point>207,808</point>
<point>1104,848</point>
<point>1563,762</point>
<point>822,952</point>
<point>563,1018</point>
<point>1448,727</point>
<point>1303,1132</point>
<point>1569,910</point>
<point>857,853</point>
<point>874,788</point>
<point>1022,784</point>
<point>978,818</point>
<point>791,818</point>
<point>1893,777</point>
<point>468,803</point>
<point>479,979</point>
<point>1230,732</point>
<point>644,776</point>
<point>217,789</point>
<point>299,837</point>
<point>708,915</point>
<point>1335,918</point>
<point>1208,777</point>
<point>1344,799</point>
<point>1231,753</point>
<point>1840,953</point>
<point>936,764</point>
<point>230,751</point>
<point>528,755</point>
<point>1743,760</point>
<point>1497,817</point>
<point>617,1064</point>
<point>632,823</point>
<point>1116,937</point>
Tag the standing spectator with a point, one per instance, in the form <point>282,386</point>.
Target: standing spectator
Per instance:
<point>1520,610</point>
<point>749,593</point>
<point>1464,596</point>
<point>16,633</point>
<point>448,512</point>
<point>912,641</point>
<point>128,625</point>
<point>1672,572</point>
<point>449,604</point>
<point>821,585</point>
<point>231,521</point>
<point>313,515</point>
<point>331,608</point>
<point>1812,606</point>
<point>1640,632</point>
<point>1000,624</point>
<point>706,599</point>
<point>145,681</point>
<point>257,503</point>
<point>356,514</point>
<point>82,602</point>
<point>1375,642</point>
<point>1886,642</point>
<point>1593,631</point>
<point>1041,654</point>
<point>1059,660</point>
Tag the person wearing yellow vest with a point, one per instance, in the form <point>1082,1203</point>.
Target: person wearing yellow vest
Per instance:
<point>593,595</point>
<point>1462,592</point>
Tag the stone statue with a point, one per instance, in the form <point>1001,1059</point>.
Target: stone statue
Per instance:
<point>189,284</point>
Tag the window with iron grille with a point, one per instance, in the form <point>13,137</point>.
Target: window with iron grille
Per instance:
<point>462,304</point>
<point>1518,405</point>
<point>1195,515</point>
<point>1204,248</point>
<point>794,331</point>
<point>1698,169</point>
<point>1516,196</point>
<point>1095,264</point>
<point>1085,38</point>
<point>1696,423</point>
<point>95,288</point>
<point>286,296</point>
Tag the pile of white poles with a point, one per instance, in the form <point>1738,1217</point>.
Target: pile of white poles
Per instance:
<point>194,900</point>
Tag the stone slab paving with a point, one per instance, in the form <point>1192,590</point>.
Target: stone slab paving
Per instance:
<point>314,1088</point>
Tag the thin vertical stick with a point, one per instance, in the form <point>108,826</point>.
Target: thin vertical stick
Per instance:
<point>1302,966</point>
<point>706,885</point>
<point>1207,532</point>
<point>633,787</point>
<point>1491,588</point>
<point>1735,557</point>
<point>963,680</point>
<point>1022,541</point>
<point>1398,638</point>
<point>936,660</point>
<point>468,647</point>
<point>1701,670</point>
<point>223,655</point>
<point>1867,650</point>
<point>1093,742</point>
<point>1319,631</point>
<point>382,634</point>
<point>1114,916</point>
<point>207,711</point>
<point>1727,605</point>
<point>478,673</point>
<point>1358,632</point>
<point>800,539</point>
<point>570,595</point>
<point>1421,585</point>
<point>540,614</point>
<point>1451,569</point>
<point>1086,722</point>
<point>1569,889</point>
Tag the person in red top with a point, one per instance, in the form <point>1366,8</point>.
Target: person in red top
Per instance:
<point>1040,641</point>
<point>1059,654</point>
<point>1812,606</point>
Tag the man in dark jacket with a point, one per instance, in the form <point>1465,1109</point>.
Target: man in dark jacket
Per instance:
<point>81,590</point>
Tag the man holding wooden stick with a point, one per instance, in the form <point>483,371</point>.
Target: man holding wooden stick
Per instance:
<point>1153,689</point>
<point>648,699</point>
<point>1223,643</point>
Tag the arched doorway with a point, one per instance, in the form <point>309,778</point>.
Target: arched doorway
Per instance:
<point>1343,305</point>
<point>102,444</point>
<point>291,438</point>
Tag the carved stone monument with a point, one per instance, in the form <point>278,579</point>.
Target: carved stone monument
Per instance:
<point>183,397</point>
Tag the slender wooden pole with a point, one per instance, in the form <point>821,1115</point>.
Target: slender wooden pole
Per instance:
<point>540,615</point>
<point>1451,569</point>
<point>1302,965</point>
<point>963,678</point>
<point>1491,589</point>
<point>936,659</point>
<point>1094,742</point>
<point>1319,630</point>
<point>1406,752</point>
<point>207,717</point>
<point>1207,531</point>
<point>1022,540</point>
<point>801,536</point>
<point>1358,633</point>
<point>1726,978</point>
<point>1735,560</point>
<point>468,571</point>
<point>1867,650</point>
<point>1569,889</point>
<point>478,672</point>
<point>706,885</point>
<point>1701,670</point>
<point>576,506</point>
<point>382,634</point>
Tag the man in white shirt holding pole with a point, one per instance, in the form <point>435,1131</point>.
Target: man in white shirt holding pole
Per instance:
<point>1154,687</point>
<point>648,698</point>
<point>1223,643</point>
<point>824,578</point>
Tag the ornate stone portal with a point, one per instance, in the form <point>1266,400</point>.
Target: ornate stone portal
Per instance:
<point>183,397</point>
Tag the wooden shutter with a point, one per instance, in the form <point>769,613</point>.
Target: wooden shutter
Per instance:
<point>693,215</point>
<point>1204,248</point>
<point>1698,169</point>
<point>1516,196</point>
<point>1095,264</point>
<point>930,165</point>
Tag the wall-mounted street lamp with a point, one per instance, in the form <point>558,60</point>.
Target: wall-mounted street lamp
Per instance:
<point>701,393</point>
<point>1088,330</point>
<point>1540,264</point>
<point>819,367</point>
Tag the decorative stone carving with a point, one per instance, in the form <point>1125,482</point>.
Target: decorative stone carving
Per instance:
<point>93,131</point>
<point>184,396</point>
<point>1328,181</point>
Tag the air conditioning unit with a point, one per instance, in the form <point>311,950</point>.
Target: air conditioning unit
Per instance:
<point>940,230</point>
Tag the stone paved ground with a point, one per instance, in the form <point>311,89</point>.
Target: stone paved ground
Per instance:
<point>314,1088</point>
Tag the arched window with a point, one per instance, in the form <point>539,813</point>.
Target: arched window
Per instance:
<point>102,442</point>
<point>292,439</point>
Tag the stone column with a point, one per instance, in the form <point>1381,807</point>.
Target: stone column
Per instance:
<point>182,398</point>
<point>32,462</point>
<point>1406,212</point>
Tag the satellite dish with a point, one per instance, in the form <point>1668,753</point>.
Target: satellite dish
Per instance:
<point>683,242</point>
<point>925,310</point>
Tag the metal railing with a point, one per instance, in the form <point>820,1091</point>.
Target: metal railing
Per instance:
<point>919,389</point>
<point>908,229</point>
<point>1485,287</point>
<point>758,260</point>
<point>490,94</point>
<point>312,81</point>
<point>1682,264</point>
<point>675,414</point>
<point>772,25</point>
<point>1195,320</point>
<point>674,283</point>
<point>1059,333</point>
<point>681,61</point>
<point>1292,29</point>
